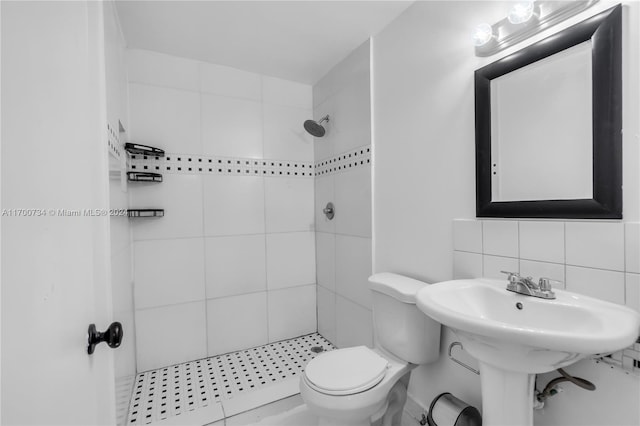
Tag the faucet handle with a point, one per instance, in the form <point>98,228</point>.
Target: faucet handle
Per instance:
<point>545,283</point>
<point>512,276</point>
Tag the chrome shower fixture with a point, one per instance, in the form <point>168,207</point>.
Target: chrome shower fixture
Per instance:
<point>315,128</point>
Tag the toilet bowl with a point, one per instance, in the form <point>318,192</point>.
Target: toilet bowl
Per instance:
<point>352,386</point>
<point>359,386</point>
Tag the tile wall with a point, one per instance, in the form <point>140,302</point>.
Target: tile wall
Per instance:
<point>342,159</point>
<point>596,258</point>
<point>232,263</point>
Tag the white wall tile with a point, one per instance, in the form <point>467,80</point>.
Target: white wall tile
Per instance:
<point>353,202</point>
<point>632,246</point>
<point>231,127</point>
<point>353,268</point>
<point>324,193</point>
<point>466,265</point>
<point>124,359</point>
<point>289,204</point>
<point>354,324</point>
<point>598,283</point>
<point>543,241</point>
<point>284,134</point>
<point>226,81</point>
<point>326,301</point>
<point>277,91</point>
<point>119,226</point>
<point>492,265</point>
<point>165,118</point>
<point>119,232</point>
<point>595,245</point>
<point>168,272</point>
<point>237,322</point>
<point>170,335</point>
<point>290,259</point>
<point>596,253</point>
<point>235,265</point>
<point>122,280</point>
<point>233,205</point>
<point>325,260</point>
<point>324,147</point>
<point>292,312</point>
<point>350,119</point>
<point>632,291</point>
<point>145,66</point>
<point>181,198</point>
<point>500,237</point>
<point>537,270</point>
<point>467,235</point>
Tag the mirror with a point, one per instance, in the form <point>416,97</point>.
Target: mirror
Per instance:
<point>549,126</point>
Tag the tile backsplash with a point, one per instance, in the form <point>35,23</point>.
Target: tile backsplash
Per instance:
<point>597,259</point>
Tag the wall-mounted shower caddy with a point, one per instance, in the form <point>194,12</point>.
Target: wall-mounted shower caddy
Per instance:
<point>144,177</point>
<point>137,176</point>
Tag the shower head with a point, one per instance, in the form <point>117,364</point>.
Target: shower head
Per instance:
<point>314,128</point>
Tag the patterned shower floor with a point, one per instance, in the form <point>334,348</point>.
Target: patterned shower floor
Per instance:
<point>183,388</point>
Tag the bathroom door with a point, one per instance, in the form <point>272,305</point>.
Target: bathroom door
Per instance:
<point>55,245</point>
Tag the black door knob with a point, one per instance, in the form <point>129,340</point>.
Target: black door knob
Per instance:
<point>112,336</point>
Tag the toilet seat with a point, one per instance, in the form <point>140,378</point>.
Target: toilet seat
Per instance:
<point>346,371</point>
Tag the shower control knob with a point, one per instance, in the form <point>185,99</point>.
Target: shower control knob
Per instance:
<point>329,211</point>
<point>112,336</point>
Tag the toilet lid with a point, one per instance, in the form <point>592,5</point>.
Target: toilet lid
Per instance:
<point>346,371</point>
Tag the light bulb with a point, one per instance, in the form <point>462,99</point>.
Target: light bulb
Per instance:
<point>482,34</point>
<point>520,12</point>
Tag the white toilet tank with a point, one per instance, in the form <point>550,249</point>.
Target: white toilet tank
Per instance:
<point>399,326</point>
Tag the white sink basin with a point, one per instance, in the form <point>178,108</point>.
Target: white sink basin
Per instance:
<point>573,324</point>
<point>516,336</point>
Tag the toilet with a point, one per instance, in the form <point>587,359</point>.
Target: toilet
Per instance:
<point>359,386</point>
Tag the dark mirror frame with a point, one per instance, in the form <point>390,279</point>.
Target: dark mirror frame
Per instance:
<point>605,32</point>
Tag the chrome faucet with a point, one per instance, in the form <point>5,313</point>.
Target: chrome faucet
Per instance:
<point>526,286</point>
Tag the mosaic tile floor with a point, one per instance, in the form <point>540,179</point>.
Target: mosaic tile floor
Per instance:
<point>177,389</point>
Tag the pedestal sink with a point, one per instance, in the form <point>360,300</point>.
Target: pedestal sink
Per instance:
<point>514,337</point>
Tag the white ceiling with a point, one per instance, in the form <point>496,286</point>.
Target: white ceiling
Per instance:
<point>294,40</point>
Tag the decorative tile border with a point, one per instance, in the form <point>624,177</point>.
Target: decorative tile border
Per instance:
<point>175,163</point>
<point>356,157</point>
<point>116,148</point>
<point>237,166</point>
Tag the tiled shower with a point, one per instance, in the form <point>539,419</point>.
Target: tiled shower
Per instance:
<point>235,261</point>
<point>232,260</point>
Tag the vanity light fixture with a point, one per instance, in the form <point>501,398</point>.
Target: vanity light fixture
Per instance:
<point>482,35</point>
<point>524,19</point>
<point>521,12</point>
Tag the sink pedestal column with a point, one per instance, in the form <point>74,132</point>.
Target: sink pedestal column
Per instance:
<point>507,397</point>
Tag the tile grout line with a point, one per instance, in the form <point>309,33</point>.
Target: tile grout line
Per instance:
<point>264,214</point>
<point>202,199</point>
